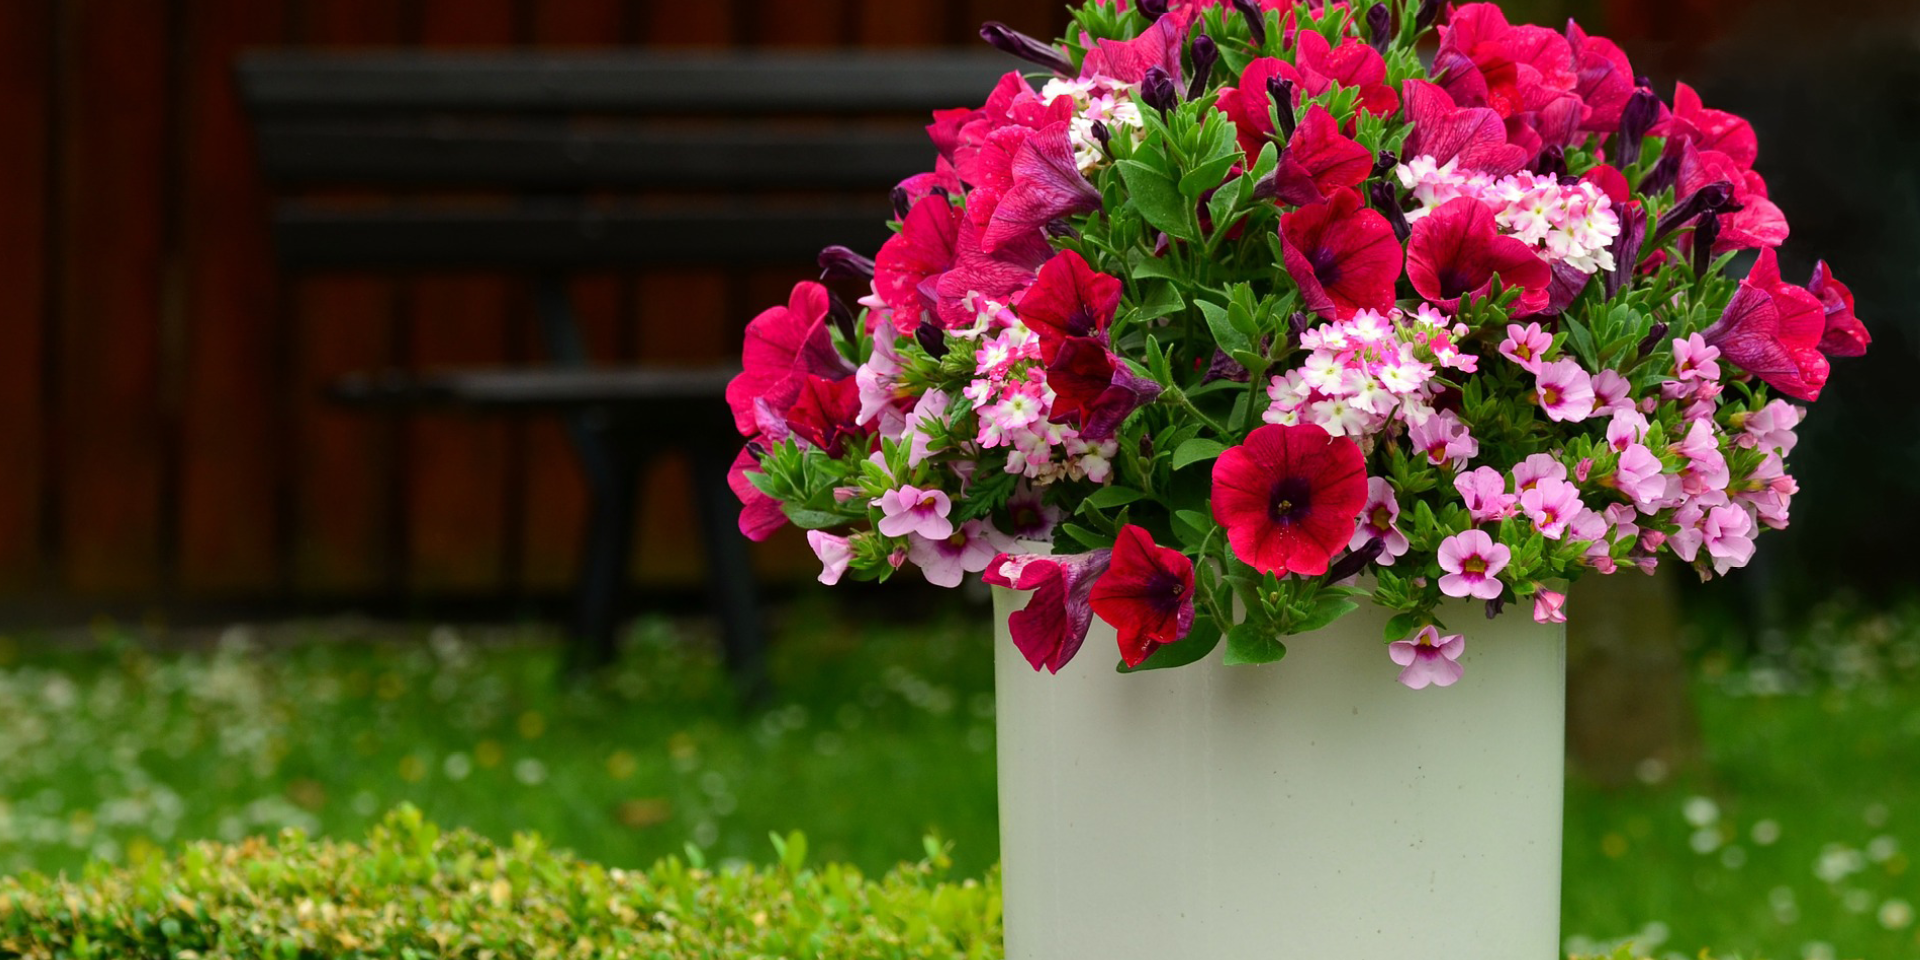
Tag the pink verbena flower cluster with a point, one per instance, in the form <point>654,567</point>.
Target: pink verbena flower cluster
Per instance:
<point>1571,223</point>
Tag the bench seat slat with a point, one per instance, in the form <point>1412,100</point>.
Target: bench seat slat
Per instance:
<point>535,236</point>
<point>635,83</point>
<point>537,389</point>
<point>556,155</point>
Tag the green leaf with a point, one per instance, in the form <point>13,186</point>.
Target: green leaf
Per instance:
<point>1194,647</point>
<point>1325,611</point>
<point>1206,176</point>
<point>813,519</point>
<point>1219,320</point>
<point>1159,200</point>
<point>1403,626</point>
<point>1581,340</point>
<point>1192,526</point>
<point>1196,450</point>
<point>1160,300</point>
<point>1108,497</point>
<point>1249,643</point>
<point>1087,538</point>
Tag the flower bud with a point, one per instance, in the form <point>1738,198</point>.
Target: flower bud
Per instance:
<point>1494,607</point>
<point>1281,91</point>
<point>1224,367</point>
<point>1256,20</point>
<point>1385,163</point>
<point>1156,89</point>
<point>839,263</point>
<point>1146,446</point>
<point>931,339</point>
<point>1626,247</point>
<point>1060,229</point>
<point>1151,9</point>
<point>1429,12</point>
<point>1380,26</point>
<point>1103,134</point>
<point>841,317</point>
<point>1705,231</point>
<point>1656,334</point>
<point>1356,560</point>
<point>1008,40</point>
<point>1663,175</point>
<point>902,203</point>
<point>1642,111</point>
<point>1386,199</point>
<point>1204,53</point>
<point>755,450</point>
<point>1297,328</point>
<point>1708,199</point>
<point>1552,162</point>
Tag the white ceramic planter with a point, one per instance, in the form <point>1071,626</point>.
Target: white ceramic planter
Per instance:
<point>1313,809</point>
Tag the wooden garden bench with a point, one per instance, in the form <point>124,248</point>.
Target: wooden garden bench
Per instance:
<point>714,159</point>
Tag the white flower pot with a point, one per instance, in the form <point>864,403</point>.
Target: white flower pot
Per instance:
<point>1312,809</point>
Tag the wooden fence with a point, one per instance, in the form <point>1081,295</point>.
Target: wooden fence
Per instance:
<point>161,430</point>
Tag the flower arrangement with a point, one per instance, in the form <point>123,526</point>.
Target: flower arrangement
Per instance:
<point>1240,301</point>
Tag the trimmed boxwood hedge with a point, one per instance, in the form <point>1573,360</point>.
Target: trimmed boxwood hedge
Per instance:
<point>413,891</point>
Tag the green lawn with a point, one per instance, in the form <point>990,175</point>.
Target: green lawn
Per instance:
<point>1793,842</point>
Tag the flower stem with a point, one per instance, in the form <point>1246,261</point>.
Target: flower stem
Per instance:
<point>1174,396</point>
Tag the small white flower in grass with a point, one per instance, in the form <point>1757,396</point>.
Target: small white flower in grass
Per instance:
<point>1883,848</point>
<point>1704,841</point>
<point>1875,815</point>
<point>1733,858</point>
<point>1857,901</point>
<point>1896,914</point>
<point>530,771</point>
<point>456,766</point>
<point>1817,950</point>
<point>1838,862</point>
<point>1700,811</point>
<point>1766,832</point>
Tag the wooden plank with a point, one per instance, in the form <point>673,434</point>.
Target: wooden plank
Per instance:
<point>676,23</point>
<point>231,454</point>
<point>26,93</point>
<point>802,23</point>
<point>111,422</point>
<point>458,476</point>
<point>345,510</point>
<point>553,515</point>
<point>886,23</point>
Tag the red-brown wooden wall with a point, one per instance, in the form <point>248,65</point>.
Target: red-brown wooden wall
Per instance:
<point>161,432</point>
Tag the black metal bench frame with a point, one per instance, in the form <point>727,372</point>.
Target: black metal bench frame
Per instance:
<point>547,130</point>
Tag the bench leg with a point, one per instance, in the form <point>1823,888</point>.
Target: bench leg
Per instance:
<point>730,582</point>
<point>613,476</point>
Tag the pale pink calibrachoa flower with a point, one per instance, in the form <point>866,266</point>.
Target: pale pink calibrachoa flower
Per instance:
<point>1528,473</point>
<point>835,554</point>
<point>1611,393</point>
<point>947,561</point>
<point>1379,520</point>
<point>1706,469</point>
<point>1638,475</point>
<point>1693,359</point>
<point>1484,490</point>
<point>1429,658</point>
<point>1526,346</point>
<point>909,509</point>
<point>1771,426</point>
<point>1549,607</point>
<point>1444,439</point>
<point>1473,563</point>
<point>1551,504</point>
<point>1566,391</point>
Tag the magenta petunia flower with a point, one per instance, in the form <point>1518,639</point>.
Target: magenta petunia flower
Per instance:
<point>1751,220</point>
<point>922,250</point>
<point>1429,658</point>
<point>783,345</point>
<point>1047,185</point>
<point>1343,256</point>
<point>1351,64</point>
<point>1773,330</point>
<point>1146,594</point>
<point>979,278</point>
<point>1319,160</point>
<point>827,412</point>
<point>760,515</point>
<point>835,554</point>
<point>1605,79</point>
<point>1472,562</point>
<point>1476,136</point>
<point>1129,60</point>
<point>909,509</point>
<point>1456,251</point>
<point>1845,335</point>
<point>1549,607</point>
<point>1050,629</point>
<point>1069,299</point>
<point>947,561</point>
<point>1250,106</point>
<point>1692,123</point>
<point>1289,497</point>
<point>1095,391</point>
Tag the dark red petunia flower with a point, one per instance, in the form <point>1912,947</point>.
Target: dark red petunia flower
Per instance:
<point>1477,136</point>
<point>826,411</point>
<point>1845,335</point>
<point>1772,329</point>
<point>1094,391</point>
<point>1319,160</point>
<point>1070,299</point>
<point>783,345</point>
<point>1289,496</point>
<point>1146,594</point>
<point>1456,251</point>
<point>1053,625</point>
<point>1342,254</point>
<point>977,274</point>
<point>922,250</point>
<point>1248,104</point>
<point>1758,222</point>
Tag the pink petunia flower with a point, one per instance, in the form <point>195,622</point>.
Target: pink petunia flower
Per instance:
<point>1429,658</point>
<point>1473,563</point>
<point>1484,490</point>
<point>1342,255</point>
<point>910,509</point>
<point>1379,520</point>
<point>1772,329</point>
<point>1771,427</point>
<point>1456,252</point>
<point>1566,391</point>
<point>947,561</point>
<point>1526,346</point>
<point>835,554</point>
<point>1051,627</point>
<point>1549,607</point>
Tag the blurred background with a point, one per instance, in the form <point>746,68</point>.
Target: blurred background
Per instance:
<point>169,468</point>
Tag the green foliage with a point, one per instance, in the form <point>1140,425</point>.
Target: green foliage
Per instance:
<point>412,890</point>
